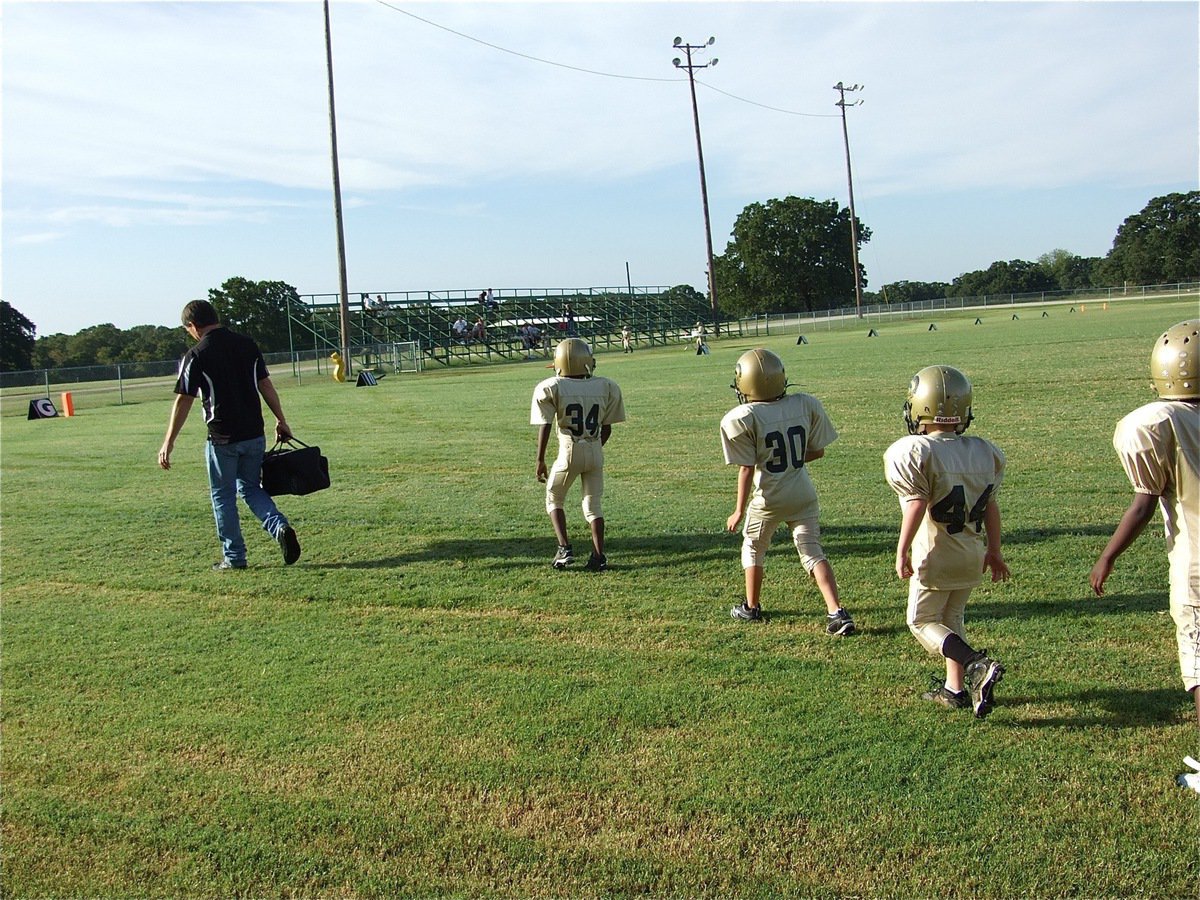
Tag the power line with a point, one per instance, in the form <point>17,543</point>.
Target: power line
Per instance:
<point>537,59</point>
<point>789,112</point>
<point>550,62</point>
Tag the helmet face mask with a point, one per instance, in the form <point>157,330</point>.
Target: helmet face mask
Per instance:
<point>573,359</point>
<point>938,395</point>
<point>1175,362</point>
<point>759,375</point>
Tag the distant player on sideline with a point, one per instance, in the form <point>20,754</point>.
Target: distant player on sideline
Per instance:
<point>583,408</point>
<point>1159,447</point>
<point>771,435</point>
<point>949,529</point>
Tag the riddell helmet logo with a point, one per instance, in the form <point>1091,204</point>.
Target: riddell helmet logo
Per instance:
<point>947,420</point>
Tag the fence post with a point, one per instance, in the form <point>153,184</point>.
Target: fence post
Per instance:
<point>120,386</point>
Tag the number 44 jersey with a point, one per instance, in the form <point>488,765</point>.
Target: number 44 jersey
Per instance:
<point>774,436</point>
<point>957,475</point>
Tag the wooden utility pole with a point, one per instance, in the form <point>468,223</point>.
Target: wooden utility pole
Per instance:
<point>344,312</point>
<point>690,66</point>
<point>842,89</point>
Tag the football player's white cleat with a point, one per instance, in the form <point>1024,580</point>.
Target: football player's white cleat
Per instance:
<point>1190,780</point>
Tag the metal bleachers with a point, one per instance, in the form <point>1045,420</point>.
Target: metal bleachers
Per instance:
<point>656,315</point>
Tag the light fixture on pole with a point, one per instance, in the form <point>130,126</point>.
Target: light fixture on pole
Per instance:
<point>842,89</point>
<point>691,65</point>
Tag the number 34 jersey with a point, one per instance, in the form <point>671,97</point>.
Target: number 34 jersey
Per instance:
<point>773,436</point>
<point>578,407</point>
<point>957,475</point>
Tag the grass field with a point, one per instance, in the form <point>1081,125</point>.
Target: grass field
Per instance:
<point>422,707</point>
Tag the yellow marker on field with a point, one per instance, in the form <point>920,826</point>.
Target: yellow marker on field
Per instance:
<point>339,366</point>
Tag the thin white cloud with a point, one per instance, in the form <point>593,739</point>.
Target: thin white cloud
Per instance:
<point>212,116</point>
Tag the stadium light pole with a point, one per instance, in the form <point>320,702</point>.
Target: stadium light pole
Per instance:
<point>344,310</point>
<point>842,90</point>
<point>691,66</point>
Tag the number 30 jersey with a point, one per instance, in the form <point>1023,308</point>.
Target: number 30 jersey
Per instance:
<point>773,436</point>
<point>957,475</point>
<point>578,407</point>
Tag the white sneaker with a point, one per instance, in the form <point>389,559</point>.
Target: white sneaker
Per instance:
<point>1191,779</point>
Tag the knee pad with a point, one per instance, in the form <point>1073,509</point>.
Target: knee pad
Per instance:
<point>592,508</point>
<point>930,635</point>
<point>807,538</point>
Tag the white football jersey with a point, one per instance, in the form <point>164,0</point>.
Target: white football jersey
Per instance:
<point>578,407</point>
<point>957,474</point>
<point>1159,447</point>
<point>773,436</point>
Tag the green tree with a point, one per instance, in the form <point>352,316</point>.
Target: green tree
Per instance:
<point>258,309</point>
<point>152,343</point>
<point>17,339</point>
<point>1018,276</point>
<point>1067,270</point>
<point>913,291</point>
<point>98,345</point>
<point>789,254</point>
<point>1160,244</point>
<point>685,294</point>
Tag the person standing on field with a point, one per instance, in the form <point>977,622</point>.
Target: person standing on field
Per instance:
<point>227,371</point>
<point>947,483</point>
<point>582,408</point>
<point>771,436</point>
<point>1159,448</point>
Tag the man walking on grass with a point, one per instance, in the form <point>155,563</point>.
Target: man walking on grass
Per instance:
<point>227,371</point>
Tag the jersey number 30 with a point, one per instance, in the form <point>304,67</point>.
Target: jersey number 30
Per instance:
<point>951,510</point>
<point>786,451</point>
<point>581,424</point>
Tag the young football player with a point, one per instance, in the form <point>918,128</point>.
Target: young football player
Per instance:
<point>772,436</point>
<point>1159,447</point>
<point>949,530</point>
<point>583,408</point>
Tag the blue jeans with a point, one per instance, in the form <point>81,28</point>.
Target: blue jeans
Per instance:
<point>235,470</point>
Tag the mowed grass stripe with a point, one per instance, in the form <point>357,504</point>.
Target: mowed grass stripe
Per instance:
<point>422,707</point>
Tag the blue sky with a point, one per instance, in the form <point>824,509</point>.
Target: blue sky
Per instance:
<point>153,150</point>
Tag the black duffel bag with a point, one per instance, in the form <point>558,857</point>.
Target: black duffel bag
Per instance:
<point>294,469</point>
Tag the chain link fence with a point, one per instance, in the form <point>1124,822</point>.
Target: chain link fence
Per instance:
<point>135,382</point>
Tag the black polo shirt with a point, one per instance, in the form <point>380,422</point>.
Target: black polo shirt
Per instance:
<point>224,369</point>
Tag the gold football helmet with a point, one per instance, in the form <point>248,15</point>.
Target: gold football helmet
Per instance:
<point>938,395</point>
<point>1175,362</point>
<point>573,358</point>
<point>759,375</point>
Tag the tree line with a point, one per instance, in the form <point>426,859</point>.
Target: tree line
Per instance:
<point>784,255</point>
<point>257,308</point>
<point>795,254</point>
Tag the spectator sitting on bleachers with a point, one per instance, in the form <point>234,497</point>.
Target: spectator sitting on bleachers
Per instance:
<point>459,330</point>
<point>479,330</point>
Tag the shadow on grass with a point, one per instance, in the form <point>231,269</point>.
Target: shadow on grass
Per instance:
<point>1083,604</point>
<point>813,609</point>
<point>1117,708</point>
<point>1034,535</point>
<point>521,553</point>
